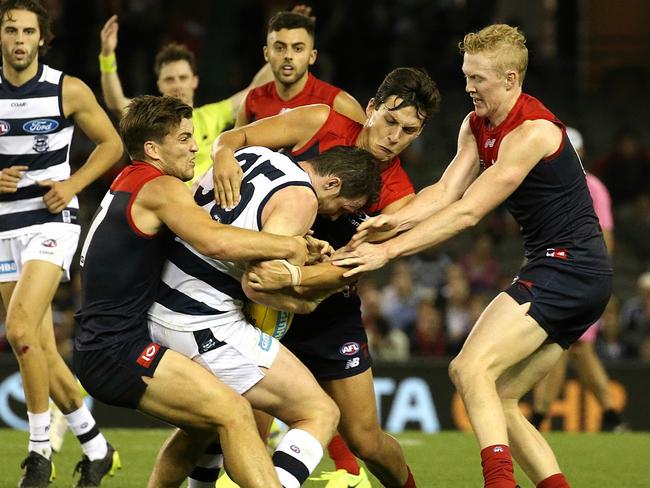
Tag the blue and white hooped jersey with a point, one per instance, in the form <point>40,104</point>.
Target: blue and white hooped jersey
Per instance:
<point>34,132</point>
<point>196,291</point>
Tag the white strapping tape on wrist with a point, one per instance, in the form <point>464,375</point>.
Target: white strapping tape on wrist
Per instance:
<point>294,271</point>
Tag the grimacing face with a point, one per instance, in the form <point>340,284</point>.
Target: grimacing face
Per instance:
<point>178,151</point>
<point>389,132</point>
<point>20,37</point>
<point>485,85</point>
<point>289,52</point>
<point>333,206</point>
<point>177,80</point>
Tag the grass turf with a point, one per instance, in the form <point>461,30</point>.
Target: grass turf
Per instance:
<point>448,459</point>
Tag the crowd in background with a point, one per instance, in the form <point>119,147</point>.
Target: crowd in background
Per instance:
<point>424,305</point>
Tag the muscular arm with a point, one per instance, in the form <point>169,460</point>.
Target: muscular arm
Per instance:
<point>519,152</point>
<point>167,201</point>
<point>346,104</point>
<point>282,216</point>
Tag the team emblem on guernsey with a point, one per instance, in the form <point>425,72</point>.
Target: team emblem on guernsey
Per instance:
<point>41,144</point>
<point>40,126</point>
<point>148,354</point>
<point>5,127</point>
<point>349,348</point>
<point>48,243</point>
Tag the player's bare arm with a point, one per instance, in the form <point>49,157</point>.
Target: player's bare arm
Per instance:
<point>167,201</point>
<point>282,216</point>
<point>540,138</point>
<point>460,173</point>
<point>112,90</point>
<point>346,104</point>
<point>79,103</point>
<point>291,129</point>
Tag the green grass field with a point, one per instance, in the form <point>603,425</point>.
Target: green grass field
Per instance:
<point>448,459</point>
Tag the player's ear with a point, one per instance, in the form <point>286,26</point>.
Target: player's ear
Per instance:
<point>265,51</point>
<point>151,150</point>
<point>370,108</point>
<point>312,56</point>
<point>333,183</point>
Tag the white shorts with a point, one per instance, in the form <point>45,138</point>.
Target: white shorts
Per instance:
<point>235,359</point>
<point>52,242</point>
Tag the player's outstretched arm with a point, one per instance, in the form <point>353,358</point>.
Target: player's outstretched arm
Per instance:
<point>291,129</point>
<point>111,84</point>
<point>167,201</point>
<point>519,152</point>
<point>79,103</point>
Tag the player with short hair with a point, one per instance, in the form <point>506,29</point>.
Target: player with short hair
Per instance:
<point>199,308</point>
<point>290,51</point>
<point>395,118</point>
<point>511,149</point>
<point>39,231</point>
<point>121,260</point>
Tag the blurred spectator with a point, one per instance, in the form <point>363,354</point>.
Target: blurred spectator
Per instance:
<point>481,267</point>
<point>608,344</point>
<point>626,170</point>
<point>386,343</point>
<point>633,223</point>
<point>429,269</point>
<point>429,331</point>
<point>457,318</point>
<point>399,299</point>
<point>635,318</point>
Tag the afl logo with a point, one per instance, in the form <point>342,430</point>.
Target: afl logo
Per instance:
<point>48,243</point>
<point>4,127</point>
<point>40,126</point>
<point>349,349</point>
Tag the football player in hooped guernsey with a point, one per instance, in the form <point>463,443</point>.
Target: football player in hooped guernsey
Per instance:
<point>331,341</point>
<point>511,149</point>
<point>122,258</point>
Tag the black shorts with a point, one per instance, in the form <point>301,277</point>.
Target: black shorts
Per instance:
<point>332,349</point>
<point>114,374</point>
<point>564,301</point>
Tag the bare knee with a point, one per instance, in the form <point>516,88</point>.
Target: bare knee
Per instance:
<point>365,441</point>
<point>329,414</point>
<point>462,372</point>
<point>21,337</point>
<point>229,414</point>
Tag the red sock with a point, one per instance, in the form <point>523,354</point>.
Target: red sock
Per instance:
<point>555,481</point>
<point>410,482</point>
<point>342,456</point>
<point>498,471</point>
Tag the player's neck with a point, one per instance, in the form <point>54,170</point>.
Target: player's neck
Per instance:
<point>504,110</point>
<point>287,92</point>
<point>19,78</point>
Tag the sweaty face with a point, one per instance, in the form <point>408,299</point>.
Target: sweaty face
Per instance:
<point>20,37</point>
<point>178,150</point>
<point>289,52</point>
<point>333,206</point>
<point>177,80</point>
<point>389,132</point>
<point>485,85</point>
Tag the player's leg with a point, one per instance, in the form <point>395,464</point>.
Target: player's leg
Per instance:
<point>548,390</point>
<point>359,426</point>
<point>503,336</point>
<point>26,302</point>
<point>528,446</point>
<point>592,374</point>
<point>289,392</point>
<point>202,403</point>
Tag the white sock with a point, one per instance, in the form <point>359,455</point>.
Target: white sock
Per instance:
<point>39,433</point>
<point>206,471</point>
<point>82,424</point>
<point>296,457</point>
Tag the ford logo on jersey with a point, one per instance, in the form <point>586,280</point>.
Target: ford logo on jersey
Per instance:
<point>349,348</point>
<point>40,126</point>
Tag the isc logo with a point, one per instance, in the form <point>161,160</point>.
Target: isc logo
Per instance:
<point>148,354</point>
<point>349,349</point>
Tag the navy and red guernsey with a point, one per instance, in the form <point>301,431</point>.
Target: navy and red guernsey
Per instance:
<point>120,266</point>
<point>264,101</point>
<point>341,312</point>
<point>552,205</point>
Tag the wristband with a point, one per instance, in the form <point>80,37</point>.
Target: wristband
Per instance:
<point>294,271</point>
<point>108,64</point>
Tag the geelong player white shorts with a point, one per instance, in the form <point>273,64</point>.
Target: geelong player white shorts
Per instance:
<point>235,353</point>
<point>52,242</point>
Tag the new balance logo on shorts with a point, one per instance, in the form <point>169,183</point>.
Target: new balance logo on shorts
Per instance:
<point>352,363</point>
<point>148,354</point>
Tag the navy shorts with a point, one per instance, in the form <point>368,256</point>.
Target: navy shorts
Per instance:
<point>114,374</point>
<point>333,350</point>
<point>564,301</point>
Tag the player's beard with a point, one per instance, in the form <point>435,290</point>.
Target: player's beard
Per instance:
<point>22,64</point>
